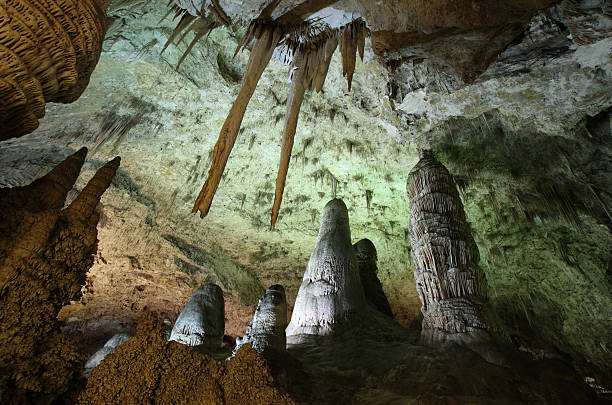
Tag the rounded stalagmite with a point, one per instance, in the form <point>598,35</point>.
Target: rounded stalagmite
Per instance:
<point>331,292</point>
<point>202,321</point>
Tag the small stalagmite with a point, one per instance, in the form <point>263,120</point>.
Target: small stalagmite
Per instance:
<point>365,252</point>
<point>331,293</point>
<point>266,331</point>
<point>108,348</point>
<point>202,321</point>
<point>48,48</point>
<point>449,282</point>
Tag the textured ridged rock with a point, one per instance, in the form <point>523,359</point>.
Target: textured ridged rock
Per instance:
<point>48,49</point>
<point>45,254</point>
<point>331,293</point>
<point>365,251</point>
<point>449,282</point>
<point>202,321</point>
<point>266,331</point>
<point>108,348</point>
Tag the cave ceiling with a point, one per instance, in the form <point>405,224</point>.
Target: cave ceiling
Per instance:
<point>513,97</point>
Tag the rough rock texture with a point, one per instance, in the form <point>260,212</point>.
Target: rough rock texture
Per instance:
<point>331,292</point>
<point>202,321</point>
<point>150,369</point>
<point>365,251</point>
<point>450,284</point>
<point>547,276</point>
<point>108,348</point>
<point>49,48</point>
<point>266,331</point>
<point>45,253</point>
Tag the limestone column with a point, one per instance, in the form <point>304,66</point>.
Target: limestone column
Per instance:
<point>202,321</point>
<point>449,282</point>
<point>331,293</point>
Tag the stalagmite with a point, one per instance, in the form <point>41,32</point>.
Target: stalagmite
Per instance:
<point>267,36</point>
<point>365,252</point>
<point>449,282</point>
<point>49,49</point>
<point>266,331</point>
<point>108,348</point>
<point>331,293</point>
<point>202,321</point>
<point>45,253</point>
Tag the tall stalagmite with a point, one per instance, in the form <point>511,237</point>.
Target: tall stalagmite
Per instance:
<point>45,253</point>
<point>367,256</point>
<point>449,282</point>
<point>331,291</point>
<point>48,49</point>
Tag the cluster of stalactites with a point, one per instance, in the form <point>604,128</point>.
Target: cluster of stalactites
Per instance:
<point>448,280</point>
<point>310,50</point>
<point>48,50</point>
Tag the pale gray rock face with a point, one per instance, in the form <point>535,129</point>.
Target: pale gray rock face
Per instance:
<point>331,291</point>
<point>449,282</point>
<point>202,321</point>
<point>108,348</point>
<point>266,331</point>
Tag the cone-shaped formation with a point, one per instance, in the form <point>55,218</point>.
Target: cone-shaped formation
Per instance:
<point>202,321</point>
<point>108,348</point>
<point>365,252</point>
<point>449,282</point>
<point>48,49</point>
<point>267,36</point>
<point>88,198</point>
<point>331,291</point>
<point>353,39</point>
<point>44,257</point>
<point>266,331</point>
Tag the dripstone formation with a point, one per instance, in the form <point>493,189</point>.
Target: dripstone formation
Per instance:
<point>331,291</point>
<point>449,282</point>
<point>108,348</point>
<point>202,321</point>
<point>48,48</point>
<point>266,331</point>
<point>365,252</point>
<point>45,253</point>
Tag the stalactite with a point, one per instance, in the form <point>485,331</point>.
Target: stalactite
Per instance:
<point>267,36</point>
<point>448,279</point>
<point>48,49</point>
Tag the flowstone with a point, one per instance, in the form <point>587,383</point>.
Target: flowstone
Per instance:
<point>449,282</point>
<point>331,291</point>
<point>202,321</point>
<point>266,331</point>
<point>365,252</point>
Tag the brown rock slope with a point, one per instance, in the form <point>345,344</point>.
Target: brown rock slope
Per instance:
<point>149,369</point>
<point>45,253</point>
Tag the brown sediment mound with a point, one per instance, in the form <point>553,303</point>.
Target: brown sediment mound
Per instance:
<point>45,253</point>
<point>150,369</point>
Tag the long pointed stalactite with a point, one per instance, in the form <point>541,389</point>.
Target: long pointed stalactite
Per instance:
<point>267,36</point>
<point>449,282</point>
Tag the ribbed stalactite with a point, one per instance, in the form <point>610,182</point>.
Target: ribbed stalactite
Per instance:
<point>48,48</point>
<point>45,253</point>
<point>449,282</point>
